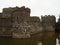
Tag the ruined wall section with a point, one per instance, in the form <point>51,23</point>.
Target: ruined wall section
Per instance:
<point>35,24</point>
<point>20,17</point>
<point>48,22</point>
<point>5,25</point>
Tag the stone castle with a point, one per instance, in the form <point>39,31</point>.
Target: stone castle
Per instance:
<point>17,21</point>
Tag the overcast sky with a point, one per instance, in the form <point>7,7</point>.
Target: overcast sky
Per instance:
<point>38,7</point>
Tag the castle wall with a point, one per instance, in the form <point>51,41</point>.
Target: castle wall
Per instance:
<point>48,22</point>
<point>35,24</point>
<point>18,20</point>
<point>5,26</point>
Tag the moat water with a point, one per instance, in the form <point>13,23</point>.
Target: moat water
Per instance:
<point>45,38</point>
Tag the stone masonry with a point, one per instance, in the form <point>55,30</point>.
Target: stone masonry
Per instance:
<point>18,21</point>
<point>48,22</point>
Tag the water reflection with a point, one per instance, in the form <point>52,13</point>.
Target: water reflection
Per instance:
<point>58,38</point>
<point>45,38</point>
<point>39,43</point>
<point>57,41</point>
<point>48,38</point>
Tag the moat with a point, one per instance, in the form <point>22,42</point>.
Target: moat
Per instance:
<point>44,38</point>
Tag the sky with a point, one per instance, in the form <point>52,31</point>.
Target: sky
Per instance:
<point>38,7</point>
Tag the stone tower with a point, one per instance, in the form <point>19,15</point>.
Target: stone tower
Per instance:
<point>48,22</point>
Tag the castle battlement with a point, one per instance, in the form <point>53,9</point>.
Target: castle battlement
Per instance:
<point>16,8</point>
